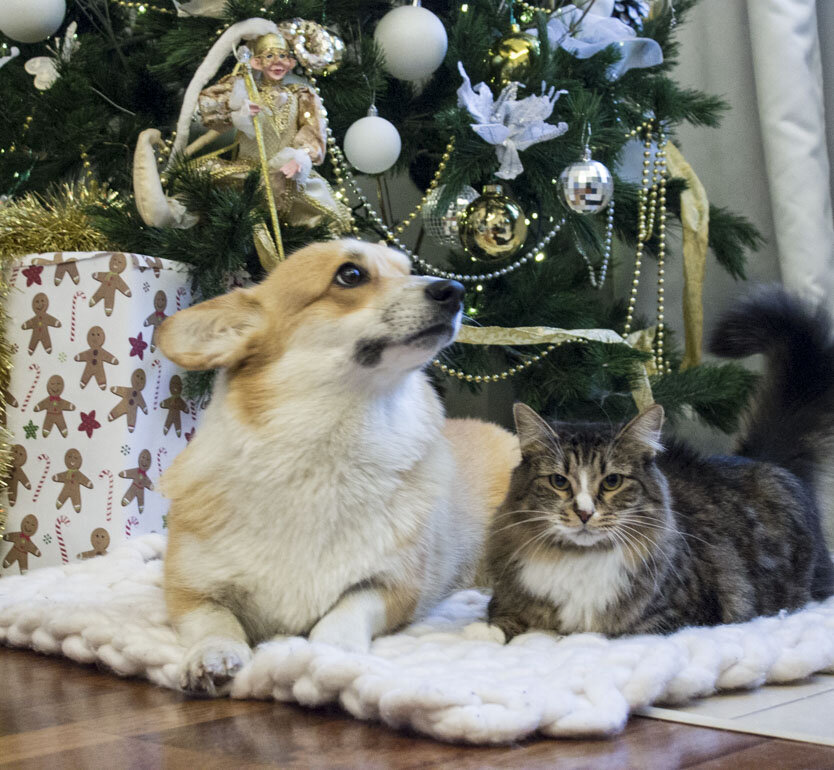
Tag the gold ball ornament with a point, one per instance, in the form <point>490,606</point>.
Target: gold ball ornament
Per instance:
<point>510,58</point>
<point>493,226</point>
<point>659,7</point>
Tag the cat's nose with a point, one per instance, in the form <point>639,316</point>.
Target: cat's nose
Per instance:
<point>584,516</point>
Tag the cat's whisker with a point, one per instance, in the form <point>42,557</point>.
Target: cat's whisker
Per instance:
<point>523,522</point>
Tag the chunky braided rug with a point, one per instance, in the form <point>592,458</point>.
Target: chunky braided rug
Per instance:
<point>445,676</point>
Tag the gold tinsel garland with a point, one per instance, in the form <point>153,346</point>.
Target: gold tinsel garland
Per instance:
<point>38,224</point>
<point>55,221</point>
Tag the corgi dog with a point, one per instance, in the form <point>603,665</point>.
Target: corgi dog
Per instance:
<point>324,493</point>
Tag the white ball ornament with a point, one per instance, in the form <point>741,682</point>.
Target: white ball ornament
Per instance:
<point>413,42</point>
<point>30,21</point>
<point>372,144</point>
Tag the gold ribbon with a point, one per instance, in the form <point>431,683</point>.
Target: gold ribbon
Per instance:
<point>252,90</point>
<point>695,221</point>
<point>642,340</point>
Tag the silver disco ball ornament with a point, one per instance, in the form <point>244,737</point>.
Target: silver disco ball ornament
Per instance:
<point>587,186</point>
<point>443,224</point>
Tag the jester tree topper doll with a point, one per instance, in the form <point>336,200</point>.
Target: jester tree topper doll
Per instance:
<point>292,126</point>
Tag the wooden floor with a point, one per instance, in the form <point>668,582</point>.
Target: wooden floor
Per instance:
<point>56,714</point>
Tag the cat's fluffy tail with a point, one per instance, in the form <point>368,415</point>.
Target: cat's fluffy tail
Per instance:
<point>791,421</point>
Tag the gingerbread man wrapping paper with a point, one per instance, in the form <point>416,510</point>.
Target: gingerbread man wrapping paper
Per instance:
<point>95,409</point>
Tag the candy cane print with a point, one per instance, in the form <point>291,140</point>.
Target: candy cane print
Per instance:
<point>31,390</point>
<point>106,474</point>
<point>159,454</point>
<point>13,276</point>
<point>129,524</point>
<point>59,532</point>
<point>74,314</point>
<point>45,473</point>
<point>158,364</point>
<point>180,295</point>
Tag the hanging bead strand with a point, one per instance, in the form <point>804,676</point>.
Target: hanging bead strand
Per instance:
<point>660,362</point>
<point>642,219</point>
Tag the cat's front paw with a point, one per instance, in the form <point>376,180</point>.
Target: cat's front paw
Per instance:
<point>508,626</point>
<point>210,666</point>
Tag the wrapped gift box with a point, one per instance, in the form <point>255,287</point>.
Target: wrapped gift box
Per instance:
<point>94,407</point>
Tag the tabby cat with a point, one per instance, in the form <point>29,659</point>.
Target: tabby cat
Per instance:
<point>604,529</point>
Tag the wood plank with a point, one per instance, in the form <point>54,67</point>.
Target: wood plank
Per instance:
<point>55,713</point>
<point>133,753</point>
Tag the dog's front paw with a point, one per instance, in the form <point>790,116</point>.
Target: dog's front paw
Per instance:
<point>332,629</point>
<point>211,664</point>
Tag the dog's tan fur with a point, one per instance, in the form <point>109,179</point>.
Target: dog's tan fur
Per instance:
<point>324,492</point>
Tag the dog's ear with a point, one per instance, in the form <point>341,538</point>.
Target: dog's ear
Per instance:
<point>219,332</point>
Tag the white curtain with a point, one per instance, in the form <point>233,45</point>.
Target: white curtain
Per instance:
<point>793,78</point>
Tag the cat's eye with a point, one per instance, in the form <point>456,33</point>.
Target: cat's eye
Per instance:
<point>612,481</point>
<point>558,481</point>
<point>350,275</point>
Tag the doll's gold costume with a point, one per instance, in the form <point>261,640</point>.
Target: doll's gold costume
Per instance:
<point>293,128</point>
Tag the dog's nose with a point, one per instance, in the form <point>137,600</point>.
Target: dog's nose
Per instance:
<point>449,294</point>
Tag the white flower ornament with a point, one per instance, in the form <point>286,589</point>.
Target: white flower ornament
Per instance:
<point>511,124</point>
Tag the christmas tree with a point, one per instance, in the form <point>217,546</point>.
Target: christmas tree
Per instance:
<point>487,92</point>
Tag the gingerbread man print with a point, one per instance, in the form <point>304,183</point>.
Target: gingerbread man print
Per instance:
<point>100,540</point>
<point>40,323</point>
<point>54,406</point>
<point>8,400</point>
<point>17,474</point>
<point>72,479</point>
<point>22,544</point>
<point>160,302</point>
<point>111,282</point>
<point>139,480</point>
<point>95,357</point>
<point>63,267</point>
<point>175,405</point>
<point>131,399</point>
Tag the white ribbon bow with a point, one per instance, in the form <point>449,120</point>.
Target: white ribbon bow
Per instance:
<point>596,31</point>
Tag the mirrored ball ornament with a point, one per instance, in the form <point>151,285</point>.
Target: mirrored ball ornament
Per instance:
<point>493,226</point>
<point>587,186</point>
<point>443,224</point>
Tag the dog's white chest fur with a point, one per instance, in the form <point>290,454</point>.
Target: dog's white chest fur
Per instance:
<point>324,508</point>
<point>583,585</point>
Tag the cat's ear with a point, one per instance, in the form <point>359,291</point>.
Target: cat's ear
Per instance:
<point>533,432</point>
<point>645,429</point>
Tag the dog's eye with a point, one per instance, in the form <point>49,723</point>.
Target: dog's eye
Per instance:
<point>350,275</point>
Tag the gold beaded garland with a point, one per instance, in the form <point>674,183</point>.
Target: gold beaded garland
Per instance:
<point>142,7</point>
<point>513,370</point>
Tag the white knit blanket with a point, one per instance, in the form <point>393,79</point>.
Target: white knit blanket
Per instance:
<point>445,676</point>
